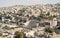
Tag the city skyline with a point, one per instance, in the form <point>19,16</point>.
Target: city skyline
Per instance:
<point>5,3</point>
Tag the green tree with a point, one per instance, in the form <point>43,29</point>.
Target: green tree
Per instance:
<point>19,35</point>
<point>48,14</point>
<point>49,30</point>
<point>42,15</point>
<point>0,34</point>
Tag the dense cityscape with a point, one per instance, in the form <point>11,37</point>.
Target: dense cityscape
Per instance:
<point>35,21</point>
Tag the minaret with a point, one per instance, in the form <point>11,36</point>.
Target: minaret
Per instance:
<point>3,19</point>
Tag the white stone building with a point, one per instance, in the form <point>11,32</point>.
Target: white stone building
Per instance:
<point>30,33</point>
<point>53,22</point>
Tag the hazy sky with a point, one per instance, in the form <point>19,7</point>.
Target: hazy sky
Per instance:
<point>4,3</point>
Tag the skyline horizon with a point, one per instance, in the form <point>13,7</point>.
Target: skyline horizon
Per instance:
<point>8,3</point>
